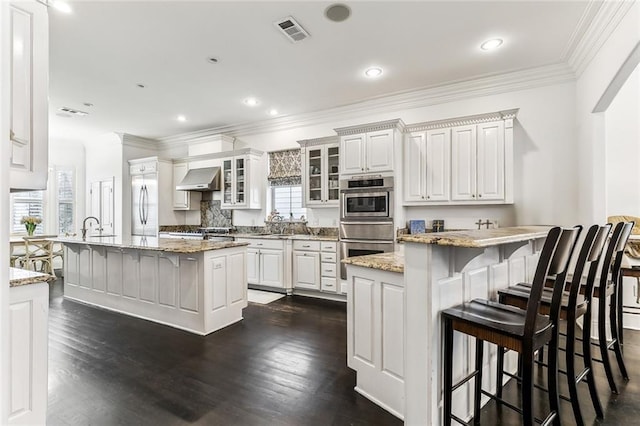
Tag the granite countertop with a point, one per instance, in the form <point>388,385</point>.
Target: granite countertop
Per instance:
<point>303,237</point>
<point>392,262</point>
<point>152,243</point>
<point>479,238</point>
<point>18,277</point>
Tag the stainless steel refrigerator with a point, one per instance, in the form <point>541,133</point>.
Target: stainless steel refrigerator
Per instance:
<point>144,204</point>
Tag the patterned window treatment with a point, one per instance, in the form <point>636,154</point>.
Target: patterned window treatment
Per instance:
<point>285,168</point>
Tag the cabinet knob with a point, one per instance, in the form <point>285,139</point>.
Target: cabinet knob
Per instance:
<point>362,169</point>
<point>479,195</point>
<point>473,195</point>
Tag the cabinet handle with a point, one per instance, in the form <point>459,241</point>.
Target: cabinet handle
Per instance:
<point>191,258</point>
<point>362,169</point>
<point>428,197</point>
<point>259,244</point>
<point>473,195</point>
<point>306,246</point>
<point>479,195</point>
<point>11,134</point>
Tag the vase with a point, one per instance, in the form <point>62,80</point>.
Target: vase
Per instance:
<point>31,227</point>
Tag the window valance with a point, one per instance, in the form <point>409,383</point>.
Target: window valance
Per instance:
<point>285,167</point>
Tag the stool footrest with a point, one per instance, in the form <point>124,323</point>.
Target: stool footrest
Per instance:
<point>517,409</point>
<point>459,420</point>
<point>463,381</point>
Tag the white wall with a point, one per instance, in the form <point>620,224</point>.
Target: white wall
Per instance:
<point>591,132</point>
<point>622,132</point>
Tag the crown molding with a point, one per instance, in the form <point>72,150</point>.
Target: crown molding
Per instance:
<point>223,154</point>
<point>371,127</point>
<point>460,90</point>
<point>319,141</point>
<point>463,121</point>
<point>138,142</point>
<point>201,136</point>
<point>591,34</point>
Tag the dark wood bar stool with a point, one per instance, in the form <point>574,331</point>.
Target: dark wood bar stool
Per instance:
<point>572,307</point>
<point>608,293</point>
<point>524,331</point>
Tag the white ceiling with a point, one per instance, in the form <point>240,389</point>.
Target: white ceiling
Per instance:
<point>101,51</point>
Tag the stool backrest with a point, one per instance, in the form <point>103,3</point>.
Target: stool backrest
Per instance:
<point>620,246</point>
<point>554,260</point>
<point>590,253</point>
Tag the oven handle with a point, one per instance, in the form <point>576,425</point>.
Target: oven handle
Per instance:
<point>366,222</point>
<point>367,241</point>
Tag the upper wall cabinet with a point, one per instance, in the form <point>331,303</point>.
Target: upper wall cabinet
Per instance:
<point>242,177</point>
<point>369,148</point>
<point>184,200</point>
<point>320,172</point>
<point>467,160</point>
<point>29,70</point>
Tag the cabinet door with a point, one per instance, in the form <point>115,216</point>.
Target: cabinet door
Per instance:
<point>227,183</point>
<point>352,149</point>
<point>315,179</point>
<point>272,268</point>
<point>107,206</point>
<point>379,151</point>
<point>491,161</point>
<point>414,167</point>
<point>180,198</point>
<point>463,163</point>
<point>253,266</point>
<point>29,65</point>
<point>332,168</point>
<point>306,270</point>
<point>438,159</point>
<point>241,183</point>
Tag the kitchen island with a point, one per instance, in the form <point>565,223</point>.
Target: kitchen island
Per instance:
<point>394,303</point>
<point>197,286</point>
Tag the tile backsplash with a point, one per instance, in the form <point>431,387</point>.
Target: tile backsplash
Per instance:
<point>211,215</point>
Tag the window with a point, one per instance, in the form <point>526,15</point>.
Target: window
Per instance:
<point>65,192</point>
<point>29,203</point>
<point>287,200</point>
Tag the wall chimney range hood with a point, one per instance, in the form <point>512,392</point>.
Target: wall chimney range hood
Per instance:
<point>205,179</point>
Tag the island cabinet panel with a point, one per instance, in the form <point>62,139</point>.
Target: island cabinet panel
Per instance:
<point>130,279</point>
<point>84,262</point>
<point>28,349</point>
<point>167,279</point>
<point>199,292</point>
<point>376,335</point>
<point>189,277</point>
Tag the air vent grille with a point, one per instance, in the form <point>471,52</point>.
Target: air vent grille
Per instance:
<point>291,29</point>
<point>73,111</point>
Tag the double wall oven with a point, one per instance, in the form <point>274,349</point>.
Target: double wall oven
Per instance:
<point>366,217</point>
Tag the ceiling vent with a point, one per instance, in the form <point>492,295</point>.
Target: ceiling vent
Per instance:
<point>291,29</point>
<point>74,111</point>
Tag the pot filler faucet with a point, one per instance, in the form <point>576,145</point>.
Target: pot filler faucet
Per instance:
<point>84,225</point>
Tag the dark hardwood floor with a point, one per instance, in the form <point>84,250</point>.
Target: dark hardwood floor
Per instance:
<point>284,364</point>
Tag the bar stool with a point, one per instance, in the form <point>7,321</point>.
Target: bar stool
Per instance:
<point>524,331</point>
<point>571,308</point>
<point>608,292</point>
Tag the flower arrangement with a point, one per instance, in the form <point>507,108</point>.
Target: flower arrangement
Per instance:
<point>30,222</point>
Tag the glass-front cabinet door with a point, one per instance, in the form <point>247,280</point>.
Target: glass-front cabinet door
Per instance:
<point>322,170</point>
<point>227,182</point>
<point>241,184</point>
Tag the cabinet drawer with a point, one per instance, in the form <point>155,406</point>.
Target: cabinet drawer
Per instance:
<point>262,244</point>
<point>306,245</point>
<point>328,257</point>
<point>328,284</point>
<point>328,246</point>
<point>328,269</point>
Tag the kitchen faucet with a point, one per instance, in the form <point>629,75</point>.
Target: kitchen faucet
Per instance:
<point>84,225</point>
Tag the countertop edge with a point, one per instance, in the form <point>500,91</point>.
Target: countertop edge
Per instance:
<point>21,277</point>
<point>480,238</point>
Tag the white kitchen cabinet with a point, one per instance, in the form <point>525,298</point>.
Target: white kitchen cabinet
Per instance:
<point>427,162</point>
<point>241,181</point>
<point>28,343</point>
<point>369,148</point>
<point>461,161</point>
<point>265,262</point>
<point>184,200</point>
<point>29,74</point>
<point>478,162</point>
<point>328,266</point>
<point>320,174</point>
<point>306,270</point>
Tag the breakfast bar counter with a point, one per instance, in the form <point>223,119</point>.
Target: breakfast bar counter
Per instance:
<point>394,302</point>
<point>197,286</point>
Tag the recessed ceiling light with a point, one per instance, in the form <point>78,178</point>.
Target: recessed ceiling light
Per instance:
<point>491,44</point>
<point>62,6</point>
<point>88,104</point>
<point>373,72</point>
<point>337,12</point>
<point>273,111</point>
<point>140,85</point>
<point>212,60</point>
<point>251,101</point>
<point>182,118</point>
